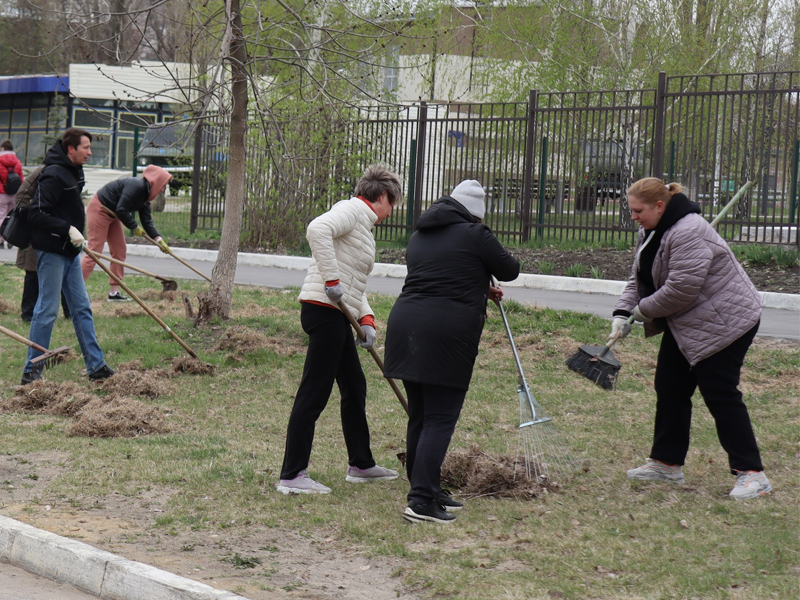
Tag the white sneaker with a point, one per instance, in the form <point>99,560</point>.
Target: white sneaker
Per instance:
<point>356,475</point>
<point>302,484</point>
<point>655,470</point>
<point>750,484</point>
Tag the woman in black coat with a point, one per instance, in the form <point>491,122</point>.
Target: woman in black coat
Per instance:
<point>434,330</point>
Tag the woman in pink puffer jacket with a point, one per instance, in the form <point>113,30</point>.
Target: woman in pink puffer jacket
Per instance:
<point>687,284</point>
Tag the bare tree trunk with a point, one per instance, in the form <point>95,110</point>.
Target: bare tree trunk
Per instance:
<point>217,301</point>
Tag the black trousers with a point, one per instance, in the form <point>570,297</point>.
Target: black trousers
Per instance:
<point>433,411</point>
<point>332,356</point>
<point>30,293</point>
<point>717,377</point>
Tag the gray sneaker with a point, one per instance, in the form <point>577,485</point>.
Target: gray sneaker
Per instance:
<point>655,470</point>
<point>302,484</point>
<point>356,475</point>
<point>750,484</point>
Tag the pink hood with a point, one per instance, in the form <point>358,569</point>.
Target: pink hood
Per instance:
<point>158,179</point>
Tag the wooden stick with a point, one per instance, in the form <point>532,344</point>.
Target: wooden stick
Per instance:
<point>155,317</point>
<point>180,260</point>
<point>140,270</point>
<point>373,352</point>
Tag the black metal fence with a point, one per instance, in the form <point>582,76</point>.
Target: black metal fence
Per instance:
<point>557,167</point>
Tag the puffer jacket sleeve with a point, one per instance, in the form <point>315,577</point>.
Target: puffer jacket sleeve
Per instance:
<point>320,234</point>
<point>689,259</point>
<point>630,295</point>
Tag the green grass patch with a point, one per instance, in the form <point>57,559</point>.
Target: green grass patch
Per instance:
<point>601,536</point>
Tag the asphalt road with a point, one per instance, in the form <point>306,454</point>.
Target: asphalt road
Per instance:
<point>774,322</point>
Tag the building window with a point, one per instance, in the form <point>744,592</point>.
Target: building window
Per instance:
<point>92,119</point>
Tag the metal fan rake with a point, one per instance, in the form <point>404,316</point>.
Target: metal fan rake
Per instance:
<point>541,449</point>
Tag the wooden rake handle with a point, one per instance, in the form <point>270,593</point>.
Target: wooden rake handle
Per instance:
<point>155,317</point>
<point>179,259</point>
<point>374,353</point>
<point>45,353</point>
<point>132,267</point>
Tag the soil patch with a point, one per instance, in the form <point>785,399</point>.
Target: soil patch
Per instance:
<point>311,565</point>
<point>5,307</point>
<point>615,265</point>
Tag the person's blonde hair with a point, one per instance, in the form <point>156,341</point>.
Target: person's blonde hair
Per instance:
<point>651,189</point>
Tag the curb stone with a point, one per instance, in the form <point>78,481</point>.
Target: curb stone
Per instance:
<point>526,280</point>
<point>97,572</point>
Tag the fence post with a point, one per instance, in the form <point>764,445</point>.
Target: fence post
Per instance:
<point>527,174</point>
<point>419,183</point>
<point>657,166</point>
<point>793,203</point>
<point>412,173</point>
<point>198,150</point>
<point>542,180</point>
<point>135,151</point>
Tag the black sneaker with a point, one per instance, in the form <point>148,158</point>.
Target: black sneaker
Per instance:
<point>103,372</point>
<point>30,376</point>
<point>117,297</point>
<point>444,500</point>
<point>431,512</point>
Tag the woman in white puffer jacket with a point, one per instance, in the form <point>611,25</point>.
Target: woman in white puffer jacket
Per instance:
<point>343,253</point>
<point>687,284</point>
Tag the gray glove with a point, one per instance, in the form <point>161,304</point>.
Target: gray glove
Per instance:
<point>619,329</point>
<point>334,292</point>
<point>369,334</point>
<point>639,316</point>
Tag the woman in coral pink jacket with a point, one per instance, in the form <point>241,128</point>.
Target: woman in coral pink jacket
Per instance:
<point>8,163</point>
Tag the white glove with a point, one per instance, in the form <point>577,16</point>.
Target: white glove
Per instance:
<point>619,329</point>
<point>75,237</point>
<point>369,334</point>
<point>638,316</point>
<point>334,292</point>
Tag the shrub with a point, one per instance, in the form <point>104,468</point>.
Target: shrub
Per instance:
<point>785,257</point>
<point>576,270</point>
<point>546,266</point>
<point>758,255</point>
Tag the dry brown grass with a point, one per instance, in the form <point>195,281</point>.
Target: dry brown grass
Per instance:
<point>47,397</point>
<point>118,416</point>
<point>193,366</point>
<point>242,340</point>
<point>473,472</point>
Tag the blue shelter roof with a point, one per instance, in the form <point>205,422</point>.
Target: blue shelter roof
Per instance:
<point>33,84</point>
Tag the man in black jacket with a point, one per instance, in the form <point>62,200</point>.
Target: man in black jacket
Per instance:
<point>57,218</point>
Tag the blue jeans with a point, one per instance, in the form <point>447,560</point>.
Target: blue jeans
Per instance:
<point>59,274</point>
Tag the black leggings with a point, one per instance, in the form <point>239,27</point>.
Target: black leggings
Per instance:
<point>433,412</point>
<point>718,378</point>
<point>332,356</point>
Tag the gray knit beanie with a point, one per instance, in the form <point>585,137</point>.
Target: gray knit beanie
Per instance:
<point>470,194</point>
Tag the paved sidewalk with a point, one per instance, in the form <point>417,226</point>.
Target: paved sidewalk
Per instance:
<point>18,584</point>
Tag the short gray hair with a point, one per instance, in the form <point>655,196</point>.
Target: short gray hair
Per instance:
<point>378,179</point>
